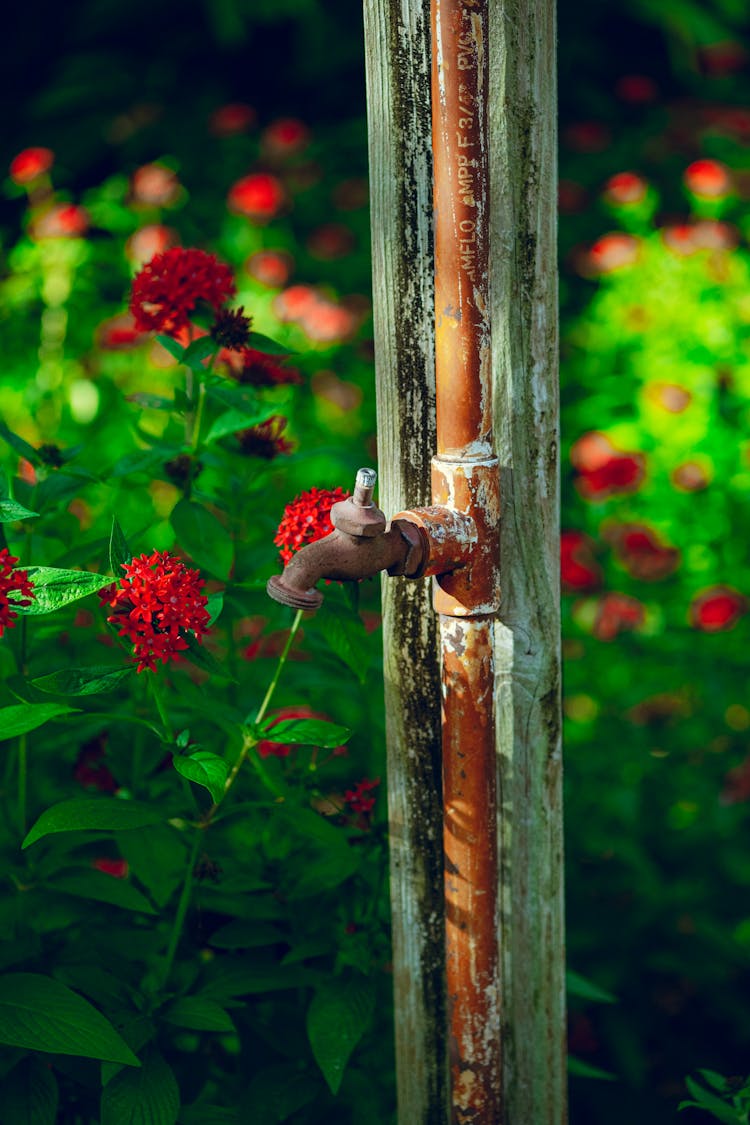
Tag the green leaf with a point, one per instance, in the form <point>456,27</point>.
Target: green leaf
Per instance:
<point>82,681</point>
<point>232,976</point>
<point>10,510</point>
<point>100,814</point>
<point>266,345</point>
<point>345,635</point>
<point>100,887</point>
<point>157,857</point>
<point>199,350</point>
<point>708,1101</point>
<point>234,420</point>
<point>149,1096</point>
<point>28,1095</point>
<point>204,768</point>
<point>337,1019</point>
<point>204,659</point>
<point>151,402</point>
<point>119,552</point>
<point>200,534</point>
<point>20,446</point>
<point>39,1013</point>
<point>172,347</point>
<point>20,718</point>
<point>214,606</point>
<point>55,588</point>
<point>201,1113</point>
<point>586,1070</point>
<point>199,1014</point>
<point>587,990</point>
<point>310,732</point>
<point>276,1092</point>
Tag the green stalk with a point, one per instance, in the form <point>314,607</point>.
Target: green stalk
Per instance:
<point>182,906</point>
<point>160,706</point>
<point>22,780</point>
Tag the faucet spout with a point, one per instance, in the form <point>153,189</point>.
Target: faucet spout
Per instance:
<point>360,546</point>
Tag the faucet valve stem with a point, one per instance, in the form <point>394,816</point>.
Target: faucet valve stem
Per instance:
<point>363,487</point>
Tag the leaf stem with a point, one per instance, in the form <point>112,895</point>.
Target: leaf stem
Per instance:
<point>23,767</point>
<point>282,661</point>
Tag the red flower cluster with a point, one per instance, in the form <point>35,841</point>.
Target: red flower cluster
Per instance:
<point>90,770</point>
<point>258,369</point>
<point>12,582</point>
<point>603,470</point>
<point>30,164</point>
<point>260,196</point>
<point>270,267</point>
<point>285,136</point>
<point>168,288</point>
<point>359,800</point>
<point>578,568</point>
<point>155,185</point>
<point>64,220</point>
<point>637,89</point>
<point>306,519</point>
<point>266,439</point>
<point>155,605</point>
<point>612,252</point>
<point>717,609</point>
<point>642,553</point>
<point>617,613</point>
<point>233,118</point>
<point>322,319</point>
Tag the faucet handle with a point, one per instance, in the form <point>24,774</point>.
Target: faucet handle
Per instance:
<point>358,516</point>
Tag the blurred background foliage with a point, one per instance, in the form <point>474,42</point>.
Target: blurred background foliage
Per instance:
<point>655,265</point>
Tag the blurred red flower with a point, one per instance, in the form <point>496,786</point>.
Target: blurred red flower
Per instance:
<point>293,303</point>
<point>30,164</point>
<point>708,179</point>
<point>14,582</point>
<point>612,252</point>
<point>578,568</point>
<point>247,365</point>
<point>737,784</point>
<point>306,519</point>
<point>119,333</point>
<point>587,136</point>
<point>157,604</point>
<point>625,187</point>
<point>260,196</point>
<point>155,185</point>
<point>617,613</point>
<point>285,136</point>
<point>90,770</point>
<point>63,220</point>
<point>641,552</point>
<point>270,267</point>
<point>168,288</point>
<point>149,241</point>
<point>117,868</point>
<point>331,241</point>
<point>235,117</point>
<point>690,477</point>
<point>604,471</point>
<point>266,439</point>
<point>636,89</point>
<point>717,609</point>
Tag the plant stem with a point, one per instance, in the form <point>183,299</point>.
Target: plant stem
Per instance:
<point>249,740</point>
<point>198,417</point>
<point>182,906</point>
<point>161,708</point>
<point>22,777</point>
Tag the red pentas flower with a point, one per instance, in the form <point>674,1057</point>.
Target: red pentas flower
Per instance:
<point>169,287</point>
<point>270,267</point>
<point>625,187</point>
<point>360,801</point>
<point>30,164</point>
<point>260,196</point>
<point>637,89</point>
<point>613,252</point>
<point>642,553</point>
<point>603,470</point>
<point>117,868</point>
<point>707,178</point>
<point>257,369</point>
<point>285,136</point>
<point>155,185</point>
<point>717,609</point>
<point>306,519</point>
<point>64,220</point>
<point>266,439</point>
<point>578,569</point>
<point>235,117</point>
<point>617,613</point>
<point>15,582</point>
<point>157,605</point>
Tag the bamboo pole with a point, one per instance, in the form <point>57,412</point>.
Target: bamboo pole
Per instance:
<point>397,53</point>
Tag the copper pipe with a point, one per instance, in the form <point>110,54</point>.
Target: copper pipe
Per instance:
<point>465,478</point>
<point>460,71</point>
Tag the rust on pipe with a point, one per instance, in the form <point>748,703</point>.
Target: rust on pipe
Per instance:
<point>465,478</point>
<point>460,71</point>
<point>471,873</point>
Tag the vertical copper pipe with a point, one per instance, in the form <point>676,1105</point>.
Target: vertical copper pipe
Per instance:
<point>464,437</point>
<point>460,65</point>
